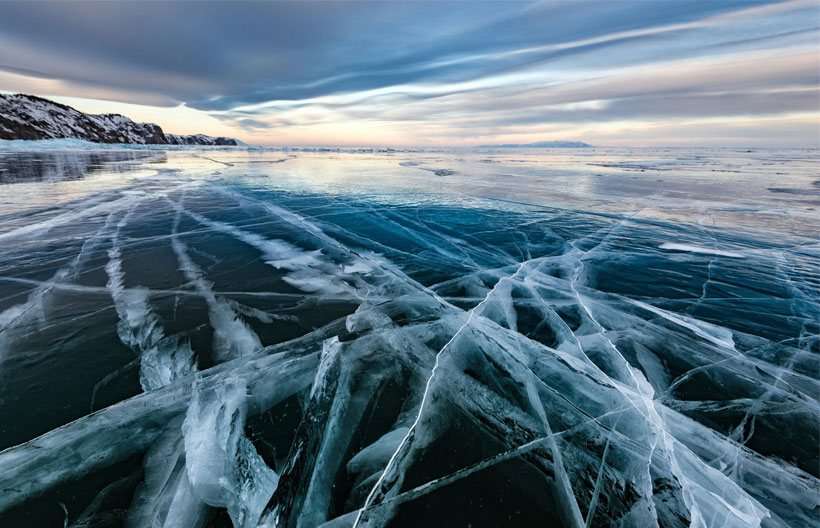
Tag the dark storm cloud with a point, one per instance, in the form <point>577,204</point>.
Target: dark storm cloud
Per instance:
<point>217,56</point>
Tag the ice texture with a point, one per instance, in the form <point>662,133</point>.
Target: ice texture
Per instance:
<point>250,337</point>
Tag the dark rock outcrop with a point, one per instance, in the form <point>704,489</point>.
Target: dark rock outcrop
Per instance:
<point>199,139</point>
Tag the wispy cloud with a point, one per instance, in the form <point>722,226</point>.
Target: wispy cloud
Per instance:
<point>425,72</point>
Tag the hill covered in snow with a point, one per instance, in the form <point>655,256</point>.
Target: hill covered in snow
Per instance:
<point>30,117</point>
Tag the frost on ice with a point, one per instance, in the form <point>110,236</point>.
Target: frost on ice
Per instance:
<point>242,350</point>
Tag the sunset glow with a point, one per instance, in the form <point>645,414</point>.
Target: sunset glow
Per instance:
<point>451,74</point>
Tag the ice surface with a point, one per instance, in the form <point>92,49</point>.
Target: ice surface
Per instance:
<point>248,337</point>
<point>163,359</point>
<point>697,249</point>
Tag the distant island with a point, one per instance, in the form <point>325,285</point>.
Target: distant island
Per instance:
<point>542,144</point>
<point>29,117</point>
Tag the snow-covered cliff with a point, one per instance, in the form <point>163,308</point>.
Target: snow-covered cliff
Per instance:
<point>30,117</point>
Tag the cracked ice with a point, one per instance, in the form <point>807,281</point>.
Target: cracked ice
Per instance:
<point>207,338</point>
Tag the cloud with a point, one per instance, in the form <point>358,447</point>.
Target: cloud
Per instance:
<point>253,124</point>
<point>262,66</point>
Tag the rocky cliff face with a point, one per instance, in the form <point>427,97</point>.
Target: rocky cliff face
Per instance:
<point>30,117</point>
<point>199,139</point>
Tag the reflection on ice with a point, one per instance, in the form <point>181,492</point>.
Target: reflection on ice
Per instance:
<point>398,339</point>
<point>50,166</point>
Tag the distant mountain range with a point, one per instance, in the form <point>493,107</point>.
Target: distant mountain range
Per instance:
<point>542,144</point>
<point>29,117</point>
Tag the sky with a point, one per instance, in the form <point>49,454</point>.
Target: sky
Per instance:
<point>642,73</point>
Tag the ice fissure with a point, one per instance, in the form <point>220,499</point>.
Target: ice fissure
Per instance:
<point>262,353</point>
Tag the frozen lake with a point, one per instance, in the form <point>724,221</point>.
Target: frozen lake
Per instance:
<point>568,337</point>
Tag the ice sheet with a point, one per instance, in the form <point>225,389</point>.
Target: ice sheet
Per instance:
<point>357,339</point>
